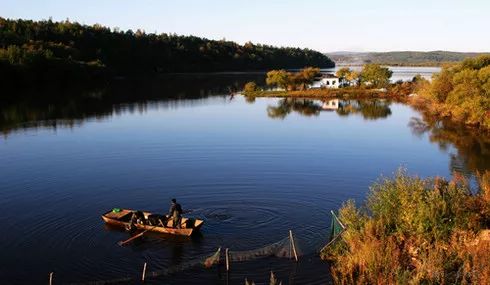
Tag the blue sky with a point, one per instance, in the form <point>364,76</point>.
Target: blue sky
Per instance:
<point>324,25</point>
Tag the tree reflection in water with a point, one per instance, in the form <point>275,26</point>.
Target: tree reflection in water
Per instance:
<point>472,148</point>
<point>284,107</point>
<point>368,109</point>
<point>69,107</point>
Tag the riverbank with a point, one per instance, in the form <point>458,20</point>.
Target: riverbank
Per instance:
<point>413,230</point>
<point>397,92</point>
<point>320,93</point>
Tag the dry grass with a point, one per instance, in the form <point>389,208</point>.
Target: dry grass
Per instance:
<point>414,231</point>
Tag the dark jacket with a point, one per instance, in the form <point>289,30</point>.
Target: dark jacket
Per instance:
<point>175,208</point>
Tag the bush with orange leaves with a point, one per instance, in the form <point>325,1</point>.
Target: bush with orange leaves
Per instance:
<point>413,230</point>
<point>460,93</point>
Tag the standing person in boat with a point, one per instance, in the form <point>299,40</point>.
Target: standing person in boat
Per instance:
<point>175,213</point>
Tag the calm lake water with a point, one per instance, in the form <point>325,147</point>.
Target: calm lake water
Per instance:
<point>251,170</point>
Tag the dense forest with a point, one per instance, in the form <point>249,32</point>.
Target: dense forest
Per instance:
<point>400,58</point>
<point>39,50</point>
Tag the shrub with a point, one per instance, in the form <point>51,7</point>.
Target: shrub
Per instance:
<point>250,87</point>
<point>414,230</point>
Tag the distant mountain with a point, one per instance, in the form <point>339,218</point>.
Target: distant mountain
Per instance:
<point>400,58</point>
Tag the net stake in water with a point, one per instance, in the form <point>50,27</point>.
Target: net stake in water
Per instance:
<point>292,245</point>
<point>227,260</point>
<point>144,273</point>
<point>51,278</point>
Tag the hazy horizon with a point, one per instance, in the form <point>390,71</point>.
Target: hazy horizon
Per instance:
<point>326,26</point>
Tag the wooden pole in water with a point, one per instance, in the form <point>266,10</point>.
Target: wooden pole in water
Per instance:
<point>227,260</point>
<point>51,278</point>
<point>144,273</point>
<point>292,245</point>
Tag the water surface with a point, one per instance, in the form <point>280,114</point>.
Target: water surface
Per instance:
<point>251,170</point>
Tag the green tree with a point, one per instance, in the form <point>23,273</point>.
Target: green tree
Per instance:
<point>343,74</point>
<point>462,92</point>
<point>279,78</point>
<point>376,75</point>
<point>292,81</point>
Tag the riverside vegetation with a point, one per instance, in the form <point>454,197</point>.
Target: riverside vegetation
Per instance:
<point>415,231</point>
<point>459,93</point>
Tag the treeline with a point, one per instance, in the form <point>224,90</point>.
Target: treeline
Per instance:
<point>28,44</point>
<point>401,58</point>
<point>460,93</point>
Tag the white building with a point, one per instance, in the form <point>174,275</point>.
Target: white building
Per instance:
<point>329,81</point>
<point>331,105</point>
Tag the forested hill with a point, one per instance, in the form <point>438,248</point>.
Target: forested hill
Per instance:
<point>400,58</point>
<point>25,42</point>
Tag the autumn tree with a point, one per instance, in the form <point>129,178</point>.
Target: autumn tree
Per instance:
<point>354,77</point>
<point>342,74</point>
<point>305,77</point>
<point>250,87</point>
<point>279,78</point>
<point>292,81</point>
<point>376,75</point>
<point>462,92</point>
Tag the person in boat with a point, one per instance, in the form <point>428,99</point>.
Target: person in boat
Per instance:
<point>137,218</point>
<point>175,213</point>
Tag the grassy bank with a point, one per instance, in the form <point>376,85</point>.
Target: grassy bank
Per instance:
<point>396,91</point>
<point>373,82</point>
<point>415,231</point>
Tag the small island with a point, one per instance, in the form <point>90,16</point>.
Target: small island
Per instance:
<point>459,93</point>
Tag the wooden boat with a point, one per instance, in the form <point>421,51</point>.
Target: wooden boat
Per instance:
<point>122,217</point>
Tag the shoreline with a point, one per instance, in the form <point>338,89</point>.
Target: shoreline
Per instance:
<point>341,93</point>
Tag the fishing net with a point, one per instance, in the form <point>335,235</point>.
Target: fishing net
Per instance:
<point>206,261</point>
<point>336,230</point>
<point>285,248</point>
<point>336,226</point>
<point>213,259</point>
